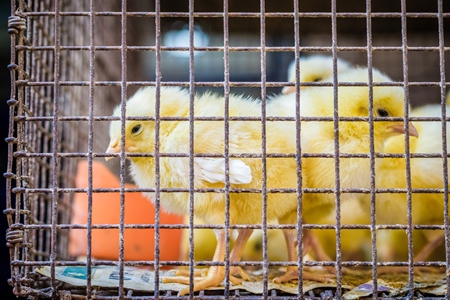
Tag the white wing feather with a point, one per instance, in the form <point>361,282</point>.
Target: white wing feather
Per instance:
<point>213,170</point>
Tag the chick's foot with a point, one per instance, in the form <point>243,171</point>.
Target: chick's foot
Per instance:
<point>197,272</point>
<point>236,253</point>
<point>241,272</point>
<point>215,274</point>
<point>292,274</point>
<point>213,278</point>
<point>204,272</point>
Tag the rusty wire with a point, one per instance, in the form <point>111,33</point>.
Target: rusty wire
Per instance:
<point>407,151</point>
<point>444,138</point>
<point>43,146</point>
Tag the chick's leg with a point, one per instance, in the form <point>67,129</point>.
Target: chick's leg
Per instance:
<point>320,253</point>
<point>292,271</point>
<point>236,253</point>
<point>235,256</point>
<point>291,242</point>
<point>423,254</point>
<point>429,248</point>
<point>215,273</point>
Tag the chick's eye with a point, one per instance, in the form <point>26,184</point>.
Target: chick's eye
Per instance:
<point>136,129</point>
<point>316,80</point>
<point>382,112</point>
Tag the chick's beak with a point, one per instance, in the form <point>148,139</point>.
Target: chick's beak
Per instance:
<point>289,89</point>
<point>398,128</point>
<point>114,147</point>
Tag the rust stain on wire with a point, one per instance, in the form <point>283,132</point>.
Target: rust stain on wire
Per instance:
<point>407,150</point>
<point>444,137</point>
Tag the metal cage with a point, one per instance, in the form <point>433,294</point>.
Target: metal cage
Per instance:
<point>72,62</point>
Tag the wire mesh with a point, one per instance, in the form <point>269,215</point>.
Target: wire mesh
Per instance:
<point>72,62</point>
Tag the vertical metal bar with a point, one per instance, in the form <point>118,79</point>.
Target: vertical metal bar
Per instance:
<point>44,140</point>
<point>55,145</point>
<point>226,88</point>
<point>12,102</point>
<point>123,100</point>
<point>38,138</point>
<point>27,166</point>
<point>48,110</point>
<point>157,137</point>
<point>191,147</point>
<point>409,230</point>
<point>373,220</point>
<point>262,23</point>
<point>20,142</point>
<point>337,191</point>
<point>90,145</point>
<point>444,138</point>
<point>298,153</point>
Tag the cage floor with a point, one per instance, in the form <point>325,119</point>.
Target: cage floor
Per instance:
<point>356,284</point>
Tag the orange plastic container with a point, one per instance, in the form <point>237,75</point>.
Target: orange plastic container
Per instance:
<point>139,244</point>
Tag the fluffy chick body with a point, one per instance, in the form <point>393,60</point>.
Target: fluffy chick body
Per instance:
<point>209,172</point>
<point>314,68</point>
<point>319,137</point>
<point>425,173</point>
<point>355,244</point>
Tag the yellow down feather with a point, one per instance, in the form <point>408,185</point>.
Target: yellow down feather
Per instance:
<point>426,173</point>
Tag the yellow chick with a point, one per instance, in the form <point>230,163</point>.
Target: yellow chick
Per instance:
<point>356,244</point>
<point>425,173</point>
<point>318,137</point>
<point>276,246</point>
<point>208,165</point>
<point>314,68</point>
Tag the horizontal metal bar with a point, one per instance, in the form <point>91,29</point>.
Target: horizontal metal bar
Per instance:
<point>231,155</point>
<point>231,190</point>
<point>233,49</point>
<point>242,14</point>
<point>234,226</point>
<point>212,263</point>
<point>25,118</point>
<point>221,83</point>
